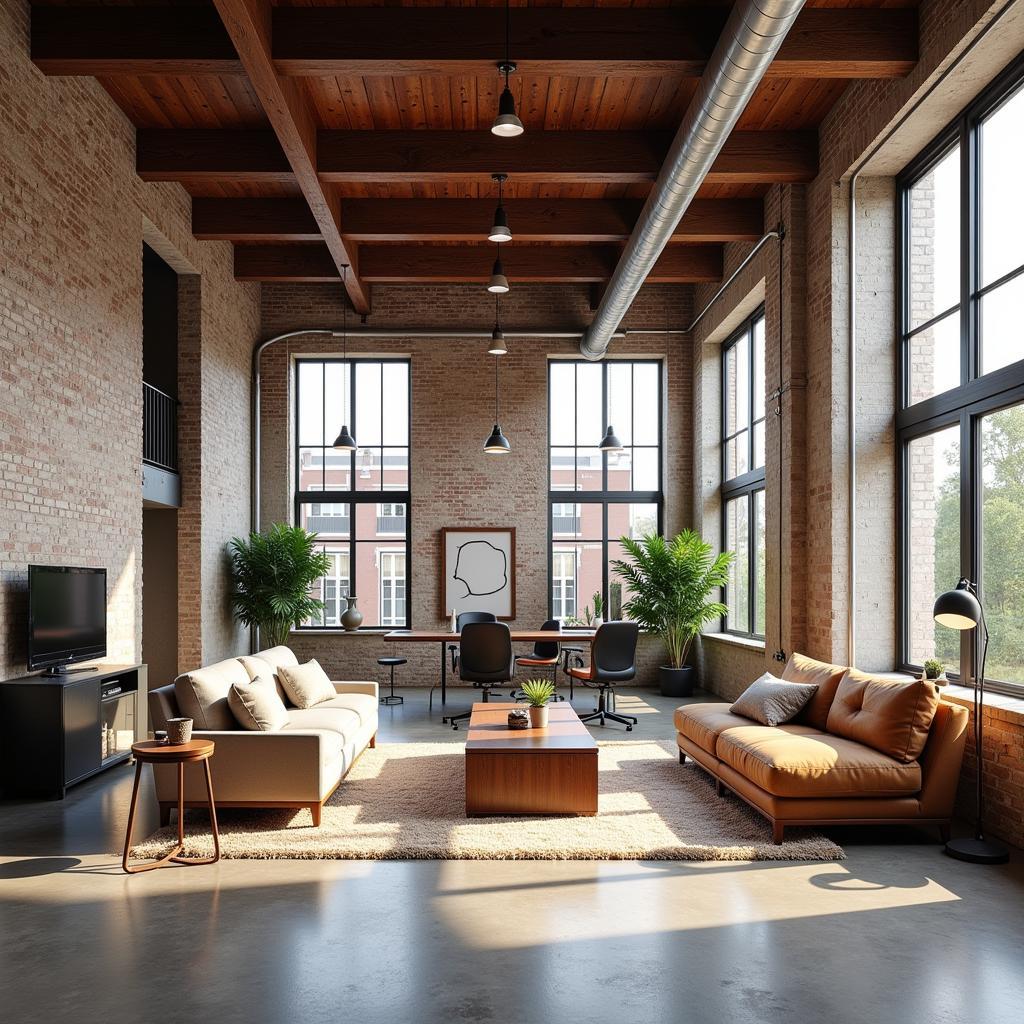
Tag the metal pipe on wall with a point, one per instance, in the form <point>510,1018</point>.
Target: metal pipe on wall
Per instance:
<point>748,44</point>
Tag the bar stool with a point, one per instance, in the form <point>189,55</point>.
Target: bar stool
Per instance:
<point>392,697</point>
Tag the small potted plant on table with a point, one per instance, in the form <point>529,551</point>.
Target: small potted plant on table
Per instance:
<point>538,692</point>
<point>934,671</point>
<point>670,583</point>
<point>598,608</point>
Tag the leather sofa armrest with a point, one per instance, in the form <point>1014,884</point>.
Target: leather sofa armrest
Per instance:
<point>356,687</point>
<point>941,759</point>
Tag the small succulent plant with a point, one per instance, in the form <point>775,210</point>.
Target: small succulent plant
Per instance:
<point>932,668</point>
<point>538,691</point>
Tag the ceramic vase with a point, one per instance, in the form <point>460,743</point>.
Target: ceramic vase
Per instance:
<point>351,617</point>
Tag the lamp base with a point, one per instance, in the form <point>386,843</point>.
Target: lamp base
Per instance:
<point>978,851</point>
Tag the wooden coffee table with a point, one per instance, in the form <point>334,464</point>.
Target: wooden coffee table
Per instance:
<point>529,771</point>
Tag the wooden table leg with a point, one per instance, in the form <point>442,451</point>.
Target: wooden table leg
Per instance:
<point>139,868</point>
<point>444,672</point>
<point>213,825</point>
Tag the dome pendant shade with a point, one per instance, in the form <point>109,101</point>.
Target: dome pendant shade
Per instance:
<point>500,230</point>
<point>506,125</point>
<point>344,442</point>
<point>497,443</point>
<point>498,346</point>
<point>498,285</point>
<point>610,443</point>
<point>957,609</point>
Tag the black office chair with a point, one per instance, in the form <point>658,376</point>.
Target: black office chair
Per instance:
<point>462,619</point>
<point>612,660</point>
<point>545,656</point>
<point>485,659</point>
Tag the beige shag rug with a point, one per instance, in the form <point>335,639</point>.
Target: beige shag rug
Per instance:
<point>407,801</point>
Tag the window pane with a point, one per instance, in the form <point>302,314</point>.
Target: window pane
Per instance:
<point>368,469</point>
<point>934,249</point>
<point>620,400</point>
<point>396,404</point>
<point>311,405</point>
<point>563,469</point>
<point>330,520</point>
<point>368,404</point>
<point>645,469</point>
<point>589,428</point>
<point>758,445</point>
<point>737,540</point>
<point>1002,553</point>
<point>396,469</point>
<point>588,469</point>
<point>620,470</point>
<point>759,592</point>
<point>933,542</point>
<point>934,359</point>
<point>571,520</point>
<point>576,575</point>
<point>736,452</point>
<point>311,469</point>
<point>332,589</point>
<point>645,403</point>
<point>381,581</point>
<point>758,369</point>
<point>737,378</point>
<point>562,404</point>
<point>1002,212</point>
<point>634,521</point>
<point>563,582</point>
<point>1002,325</point>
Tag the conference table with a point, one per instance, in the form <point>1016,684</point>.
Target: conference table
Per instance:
<point>519,636</point>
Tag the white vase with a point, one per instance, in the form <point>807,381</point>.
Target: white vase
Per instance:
<point>598,621</point>
<point>539,717</point>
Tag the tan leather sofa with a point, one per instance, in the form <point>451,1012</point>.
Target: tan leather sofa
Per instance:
<point>801,773</point>
<point>300,765</point>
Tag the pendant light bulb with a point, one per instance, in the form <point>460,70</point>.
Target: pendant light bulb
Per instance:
<point>344,442</point>
<point>610,443</point>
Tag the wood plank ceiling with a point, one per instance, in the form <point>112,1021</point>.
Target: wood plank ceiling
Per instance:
<point>321,133</point>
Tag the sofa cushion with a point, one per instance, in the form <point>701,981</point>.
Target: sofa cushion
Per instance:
<point>703,723</point>
<point>814,764</point>
<point>269,660</point>
<point>365,706</point>
<point>202,695</point>
<point>771,702</point>
<point>324,719</point>
<point>306,685</point>
<point>893,717</point>
<point>257,706</point>
<point>801,669</point>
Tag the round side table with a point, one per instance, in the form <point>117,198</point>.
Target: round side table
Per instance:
<point>151,752</point>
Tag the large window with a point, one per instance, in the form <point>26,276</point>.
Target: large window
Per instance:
<point>743,476</point>
<point>961,421</point>
<point>356,502</point>
<point>597,497</point>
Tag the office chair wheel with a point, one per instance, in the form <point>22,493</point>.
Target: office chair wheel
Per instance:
<point>629,728</point>
<point>455,726</point>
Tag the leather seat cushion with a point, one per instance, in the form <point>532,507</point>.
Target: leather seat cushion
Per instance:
<point>342,721</point>
<point>801,669</point>
<point>363,705</point>
<point>704,723</point>
<point>893,717</point>
<point>791,763</point>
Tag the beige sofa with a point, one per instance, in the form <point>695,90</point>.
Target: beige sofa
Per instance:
<point>300,765</point>
<point>811,772</point>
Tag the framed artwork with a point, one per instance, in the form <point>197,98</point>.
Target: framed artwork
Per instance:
<point>478,570</point>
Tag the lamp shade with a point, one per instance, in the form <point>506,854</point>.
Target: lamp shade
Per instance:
<point>344,442</point>
<point>498,283</point>
<point>498,346</point>
<point>506,124</point>
<point>610,443</point>
<point>497,443</point>
<point>957,609</point>
<point>500,230</point>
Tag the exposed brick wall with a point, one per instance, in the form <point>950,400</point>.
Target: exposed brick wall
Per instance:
<point>453,482</point>
<point>73,215</point>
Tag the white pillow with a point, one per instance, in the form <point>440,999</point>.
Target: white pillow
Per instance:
<point>772,702</point>
<point>257,706</point>
<point>306,685</point>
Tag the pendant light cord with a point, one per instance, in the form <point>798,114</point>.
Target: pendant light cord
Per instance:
<point>508,35</point>
<point>344,340</point>
<point>497,417</point>
<point>780,654</point>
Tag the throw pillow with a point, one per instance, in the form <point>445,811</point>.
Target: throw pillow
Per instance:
<point>887,715</point>
<point>257,706</point>
<point>306,685</point>
<point>801,669</point>
<point>771,702</point>
<point>202,695</point>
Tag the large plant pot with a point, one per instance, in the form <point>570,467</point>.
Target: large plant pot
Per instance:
<point>677,682</point>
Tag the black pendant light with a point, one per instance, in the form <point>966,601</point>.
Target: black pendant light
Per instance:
<point>498,284</point>
<point>498,346</point>
<point>344,442</point>
<point>500,230</point>
<point>497,443</point>
<point>610,442</point>
<point>506,125</point>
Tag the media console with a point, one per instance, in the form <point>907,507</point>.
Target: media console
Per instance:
<point>58,730</point>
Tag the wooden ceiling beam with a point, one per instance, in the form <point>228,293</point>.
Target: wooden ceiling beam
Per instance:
<point>254,220</point>
<point>569,157</point>
<point>328,41</point>
<point>437,264</point>
<point>542,220</point>
<point>248,23</point>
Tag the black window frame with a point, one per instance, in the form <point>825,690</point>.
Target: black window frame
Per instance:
<point>977,396</point>
<point>747,484</point>
<point>603,497</point>
<point>351,496</point>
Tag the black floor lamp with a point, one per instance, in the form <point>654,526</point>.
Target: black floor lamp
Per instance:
<point>961,609</point>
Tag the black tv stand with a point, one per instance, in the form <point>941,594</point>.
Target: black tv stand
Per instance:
<point>66,670</point>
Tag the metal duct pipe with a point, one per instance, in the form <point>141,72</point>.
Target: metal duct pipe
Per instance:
<point>751,38</point>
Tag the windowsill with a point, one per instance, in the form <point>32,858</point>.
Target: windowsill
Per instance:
<point>370,631</point>
<point>748,642</point>
<point>1002,704</point>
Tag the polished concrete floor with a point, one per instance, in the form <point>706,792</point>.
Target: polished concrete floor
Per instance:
<point>895,933</point>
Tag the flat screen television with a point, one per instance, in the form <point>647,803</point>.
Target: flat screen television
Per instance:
<point>67,616</point>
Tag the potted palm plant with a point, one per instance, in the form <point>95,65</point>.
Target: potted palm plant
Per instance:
<point>271,577</point>
<point>538,692</point>
<point>670,583</point>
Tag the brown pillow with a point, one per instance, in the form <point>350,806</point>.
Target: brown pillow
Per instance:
<point>889,716</point>
<point>801,669</point>
<point>257,706</point>
<point>771,702</point>
<point>306,685</point>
